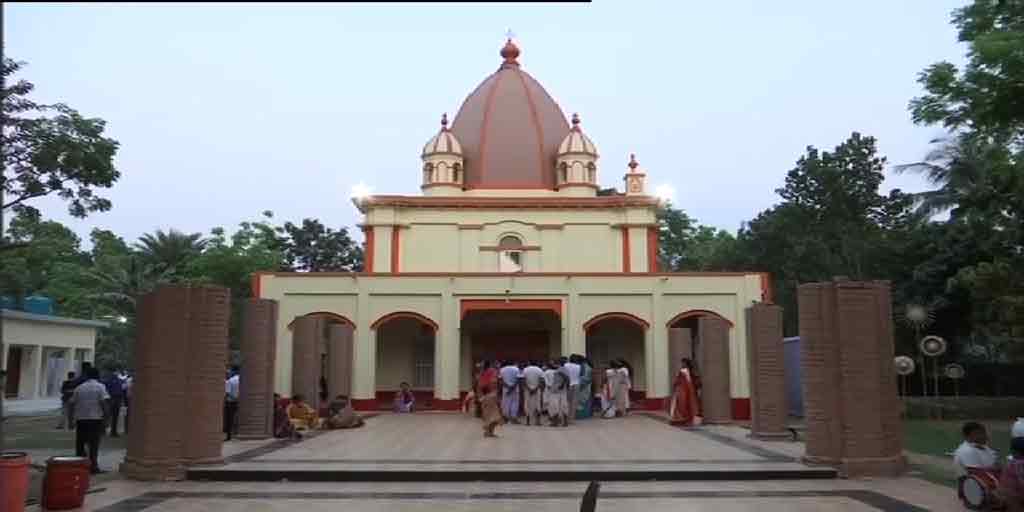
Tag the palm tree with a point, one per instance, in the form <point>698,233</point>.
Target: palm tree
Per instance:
<point>957,168</point>
<point>170,251</point>
<point>122,286</point>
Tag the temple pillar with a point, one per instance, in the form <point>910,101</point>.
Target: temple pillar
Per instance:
<point>680,345</point>
<point>307,343</point>
<point>178,391</point>
<point>849,382</point>
<point>767,372</point>
<point>256,381</point>
<point>714,367</point>
<point>340,338</point>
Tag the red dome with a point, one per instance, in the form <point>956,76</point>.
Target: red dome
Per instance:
<point>510,129</point>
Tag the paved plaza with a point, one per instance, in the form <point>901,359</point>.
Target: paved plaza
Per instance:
<point>432,442</point>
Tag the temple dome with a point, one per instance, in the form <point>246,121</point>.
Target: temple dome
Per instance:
<point>510,129</point>
<point>576,142</point>
<point>444,143</point>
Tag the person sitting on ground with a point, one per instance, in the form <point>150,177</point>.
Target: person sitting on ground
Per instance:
<point>342,415</point>
<point>405,401</point>
<point>301,415</point>
<point>974,451</point>
<point>283,428</point>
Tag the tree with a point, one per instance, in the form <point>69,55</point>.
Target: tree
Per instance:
<point>987,96</point>
<point>171,251</point>
<point>64,154</point>
<point>313,247</point>
<point>684,245</point>
<point>40,250</point>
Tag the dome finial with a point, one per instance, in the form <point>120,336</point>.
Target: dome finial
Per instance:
<point>444,121</point>
<point>510,52</point>
<point>632,162</point>
<point>575,121</point>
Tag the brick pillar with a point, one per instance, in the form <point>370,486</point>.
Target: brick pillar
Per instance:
<point>178,391</point>
<point>714,368</point>
<point>256,382</point>
<point>339,360</point>
<point>767,372</point>
<point>849,383</point>
<point>307,336</point>
<point>680,345</point>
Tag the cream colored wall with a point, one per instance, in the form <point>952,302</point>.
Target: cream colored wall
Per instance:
<point>396,351</point>
<point>25,332</point>
<point>39,340</point>
<point>655,298</point>
<point>586,240</point>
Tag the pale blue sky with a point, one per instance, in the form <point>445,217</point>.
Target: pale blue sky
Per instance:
<point>223,111</point>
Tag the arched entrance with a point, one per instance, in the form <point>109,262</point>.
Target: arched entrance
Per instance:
<point>615,336</point>
<point>703,336</point>
<point>405,353</point>
<point>334,348</point>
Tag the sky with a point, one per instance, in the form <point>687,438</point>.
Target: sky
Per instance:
<point>226,110</point>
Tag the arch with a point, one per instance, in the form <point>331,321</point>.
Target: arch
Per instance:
<point>695,313</point>
<point>326,315</point>
<point>404,314</point>
<point>639,322</point>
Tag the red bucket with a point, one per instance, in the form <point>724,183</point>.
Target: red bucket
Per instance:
<point>13,481</point>
<point>65,483</point>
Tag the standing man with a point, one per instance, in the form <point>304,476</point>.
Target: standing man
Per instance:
<point>230,402</point>
<point>532,378</point>
<point>127,399</point>
<point>90,401</point>
<point>572,368</point>
<point>510,392</point>
<point>66,389</point>
<point>115,388</point>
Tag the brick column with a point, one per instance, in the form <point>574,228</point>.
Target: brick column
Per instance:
<point>256,382</point>
<point>680,345</point>
<point>339,360</point>
<point>849,383</point>
<point>714,368</point>
<point>767,372</point>
<point>307,336</point>
<point>178,391</point>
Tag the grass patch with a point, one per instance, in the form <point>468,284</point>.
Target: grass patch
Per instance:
<point>934,437</point>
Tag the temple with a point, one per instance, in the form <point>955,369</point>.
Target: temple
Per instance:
<point>511,252</point>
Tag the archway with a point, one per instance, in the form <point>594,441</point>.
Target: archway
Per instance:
<point>618,336</point>
<point>405,353</point>
<point>334,350</point>
<point>703,336</point>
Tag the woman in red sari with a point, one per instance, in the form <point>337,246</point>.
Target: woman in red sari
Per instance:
<point>683,406</point>
<point>490,412</point>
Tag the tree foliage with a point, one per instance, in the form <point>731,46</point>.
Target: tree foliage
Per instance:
<point>52,149</point>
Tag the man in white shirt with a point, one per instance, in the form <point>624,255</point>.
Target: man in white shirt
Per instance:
<point>573,369</point>
<point>230,402</point>
<point>533,376</point>
<point>89,402</point>
<point>510,374</point>
<point>974,452</point>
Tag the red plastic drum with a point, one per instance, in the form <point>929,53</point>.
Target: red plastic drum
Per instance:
<point>65,483</point>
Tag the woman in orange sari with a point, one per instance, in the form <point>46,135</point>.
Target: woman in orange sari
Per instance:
<point>490,412</point>
<point>683,405</point>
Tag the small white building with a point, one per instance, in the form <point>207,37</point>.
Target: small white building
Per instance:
<point>39,350</point>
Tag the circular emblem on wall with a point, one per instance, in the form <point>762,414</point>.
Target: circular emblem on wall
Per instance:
<point>955,371</point>
<point>933,346</point>
<point>904,365</point>
<point>634,186</point>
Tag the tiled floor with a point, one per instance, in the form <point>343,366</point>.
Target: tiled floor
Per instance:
<point>427,442</point>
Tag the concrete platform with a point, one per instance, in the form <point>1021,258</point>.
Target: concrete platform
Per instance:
<point>445,447</point>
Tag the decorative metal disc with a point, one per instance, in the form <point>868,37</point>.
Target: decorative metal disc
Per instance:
<point>955,371</point>
<point>933,346</point>
<point>904,365</point>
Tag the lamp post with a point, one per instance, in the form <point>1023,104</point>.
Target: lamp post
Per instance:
<point>933,347</point>
<point>955,372</point>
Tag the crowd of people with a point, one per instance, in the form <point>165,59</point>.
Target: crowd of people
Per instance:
<point>92,404</point>
<point>561,390</point>
<point>974,457</point>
